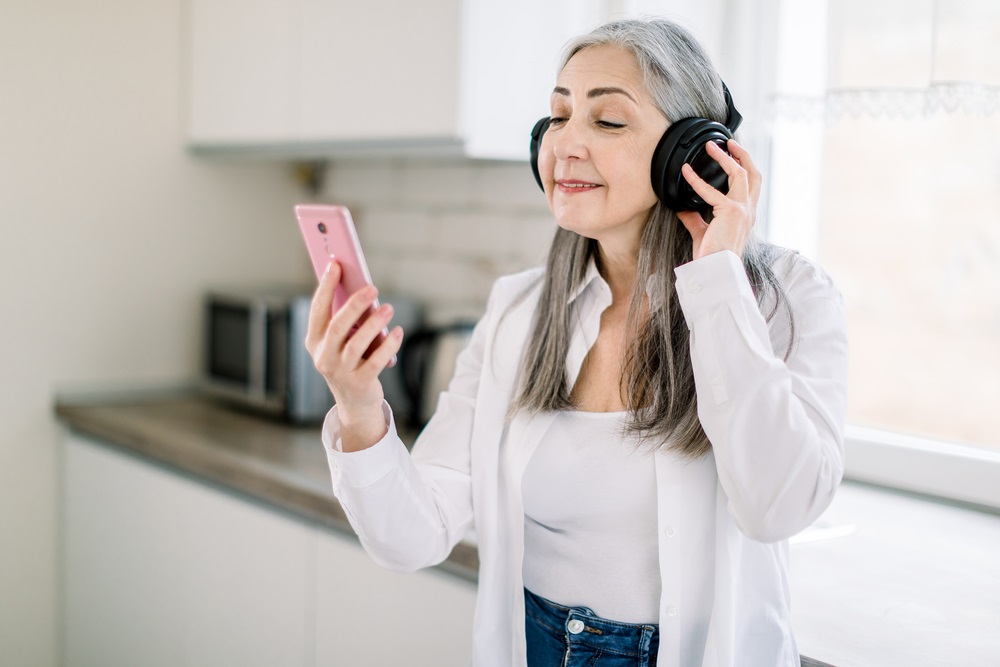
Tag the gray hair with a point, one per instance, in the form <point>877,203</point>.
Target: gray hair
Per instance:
<point>657,383</point>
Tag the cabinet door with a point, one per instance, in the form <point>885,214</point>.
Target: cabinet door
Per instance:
<point>242,60</point>
<point>379,71</point>
<point>162,570</point>
<point>368,615</point>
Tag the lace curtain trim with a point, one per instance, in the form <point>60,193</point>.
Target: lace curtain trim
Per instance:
<point>940,97</point>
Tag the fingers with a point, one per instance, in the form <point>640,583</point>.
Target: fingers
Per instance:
<point>345,320</point>
<point>359,342</point>
<point>319,311</point>
<point>743,158</point>
<point>733,212</point>
<point>739,180</point>
<point>354,338</point>
<point>734,169</point>
<point>709,195</point>
<point>695,224</point>
<point>384,354</point>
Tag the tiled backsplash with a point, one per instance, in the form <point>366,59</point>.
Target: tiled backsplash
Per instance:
<point>443,231</point>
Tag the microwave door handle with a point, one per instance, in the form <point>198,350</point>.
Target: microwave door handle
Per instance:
<point>257,350</point>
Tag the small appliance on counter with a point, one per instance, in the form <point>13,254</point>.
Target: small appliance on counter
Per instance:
<point>427,361</point>
<point>255,355</point>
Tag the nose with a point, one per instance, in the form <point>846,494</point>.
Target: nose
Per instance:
<point>569,140</point>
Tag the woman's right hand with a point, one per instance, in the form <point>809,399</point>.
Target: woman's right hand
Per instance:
<point>344,350</point>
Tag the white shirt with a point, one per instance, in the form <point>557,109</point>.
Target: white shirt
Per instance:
<point>776,429</point>
<point>590,537</point>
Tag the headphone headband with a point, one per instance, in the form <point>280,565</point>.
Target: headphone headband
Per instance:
<point>733,117</point>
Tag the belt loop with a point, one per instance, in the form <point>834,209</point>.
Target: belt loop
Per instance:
<point>645,642</point>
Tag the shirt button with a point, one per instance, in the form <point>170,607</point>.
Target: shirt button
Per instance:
<point>575,626</point>
<point>669,532</point>
<point>671,611</point>
<point>694,287</point>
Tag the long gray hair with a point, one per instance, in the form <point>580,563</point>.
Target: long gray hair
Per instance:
<point>657,383</point>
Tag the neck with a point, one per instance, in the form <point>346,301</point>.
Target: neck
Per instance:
<point>617,264</point>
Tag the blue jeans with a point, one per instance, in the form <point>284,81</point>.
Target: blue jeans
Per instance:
<point>559,636</point>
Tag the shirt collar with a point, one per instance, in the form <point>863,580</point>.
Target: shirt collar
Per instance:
<point>591,277</point>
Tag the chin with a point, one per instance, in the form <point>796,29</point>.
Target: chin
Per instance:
<point>578,226</point>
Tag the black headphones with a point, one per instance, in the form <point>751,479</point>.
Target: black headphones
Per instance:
<point>684,141</point>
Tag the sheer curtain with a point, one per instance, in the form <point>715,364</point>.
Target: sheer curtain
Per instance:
<point>885,119</point>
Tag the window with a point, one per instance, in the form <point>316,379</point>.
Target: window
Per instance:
<point>894,171</point>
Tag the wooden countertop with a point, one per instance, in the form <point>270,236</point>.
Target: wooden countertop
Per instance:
<point>266,460</point>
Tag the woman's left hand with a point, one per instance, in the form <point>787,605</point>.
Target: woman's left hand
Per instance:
<point>733,214</point>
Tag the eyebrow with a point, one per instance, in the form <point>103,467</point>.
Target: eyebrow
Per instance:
<point>596,92</point>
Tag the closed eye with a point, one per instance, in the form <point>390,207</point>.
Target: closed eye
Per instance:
<point>609,124</point>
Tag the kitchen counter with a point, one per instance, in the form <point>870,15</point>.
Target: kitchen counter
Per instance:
<point>263,459</point>
<point>881,579</point>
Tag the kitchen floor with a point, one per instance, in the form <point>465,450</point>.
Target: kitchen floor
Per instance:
<point>885,578</point>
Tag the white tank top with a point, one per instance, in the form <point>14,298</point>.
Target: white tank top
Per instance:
<point>590,536</point>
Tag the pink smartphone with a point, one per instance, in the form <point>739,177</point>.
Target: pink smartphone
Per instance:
<point>329,233</point>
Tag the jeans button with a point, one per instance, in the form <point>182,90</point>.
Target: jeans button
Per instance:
<point>575,626</point>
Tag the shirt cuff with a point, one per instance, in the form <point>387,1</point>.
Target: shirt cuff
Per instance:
<point>365,466</point>
<point>705,283</point>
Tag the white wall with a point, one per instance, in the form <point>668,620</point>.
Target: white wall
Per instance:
<point>444,231</point>
<point>109,233</point>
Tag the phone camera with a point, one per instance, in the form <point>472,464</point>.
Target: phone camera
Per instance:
<point>322,228</point>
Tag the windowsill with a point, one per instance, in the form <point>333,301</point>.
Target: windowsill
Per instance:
<point>955,472</point>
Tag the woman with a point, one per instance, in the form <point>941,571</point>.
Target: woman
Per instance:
<point>634,431</point>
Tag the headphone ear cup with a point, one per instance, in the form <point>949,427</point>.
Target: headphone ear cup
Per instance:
<point>684,142</point>
<point>536,141</point>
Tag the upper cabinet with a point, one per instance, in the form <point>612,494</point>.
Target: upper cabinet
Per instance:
<point>306,75</point>
<point>304,78</point>
<point>328,78</point>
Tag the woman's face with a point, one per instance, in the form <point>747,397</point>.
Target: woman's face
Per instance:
<point>594,159</point>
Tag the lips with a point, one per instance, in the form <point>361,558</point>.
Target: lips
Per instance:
<point>574,186</point>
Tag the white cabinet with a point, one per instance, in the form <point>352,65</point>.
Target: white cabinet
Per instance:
<point>284,71</point>
<point>328,78</point>
<point>367,615</point>
<point>159,569</point>
<point>378,70</point>
<point>162,570</point>
<point>339,77</point>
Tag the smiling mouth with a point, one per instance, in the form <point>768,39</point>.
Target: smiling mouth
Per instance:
<point>576,186</point>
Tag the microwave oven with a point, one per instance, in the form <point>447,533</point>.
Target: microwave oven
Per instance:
<point>255,354</point>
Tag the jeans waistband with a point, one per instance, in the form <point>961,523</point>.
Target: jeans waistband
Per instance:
<point>581,624</point>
